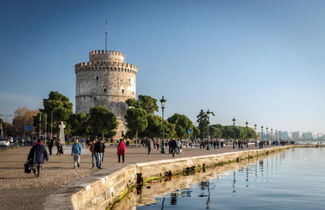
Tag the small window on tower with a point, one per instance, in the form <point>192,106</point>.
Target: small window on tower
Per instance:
<point>129,80</point>
<point>122,90</point>
<point>105,90</point>
<point>96,78</point>
<point>122,133</point>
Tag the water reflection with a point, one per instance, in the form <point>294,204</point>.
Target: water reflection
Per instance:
<point>259,184</point>
<point>181,187</point>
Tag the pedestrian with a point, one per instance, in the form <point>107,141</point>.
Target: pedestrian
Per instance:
<point>59,147</point>
<point>37,155</point>
<point>50,145</point>
<point>173,146</point>
<point>93,154</point>
<point>76,152</point>
<point>99,152</point>
<point>121,150</point>
<point>149,145</point>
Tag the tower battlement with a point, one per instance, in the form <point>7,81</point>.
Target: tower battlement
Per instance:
<point>106,55</point>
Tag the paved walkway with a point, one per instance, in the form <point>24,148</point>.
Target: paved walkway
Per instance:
<point>22,191</point>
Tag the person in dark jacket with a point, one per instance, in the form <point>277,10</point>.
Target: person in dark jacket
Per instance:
<point>99,152</point>
<point>173,146</point>
<point>93,154</point>
<point>37,155</point>
<point>50,145</point>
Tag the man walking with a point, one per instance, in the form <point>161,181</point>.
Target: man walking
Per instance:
<point>99,152</point>
<point>75,153</point>
<point>37,155</point>
<point>50,145</point>
<point>93,154</point>
<point>173,146</point>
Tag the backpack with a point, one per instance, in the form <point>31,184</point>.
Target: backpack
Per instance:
<point>28,166</point>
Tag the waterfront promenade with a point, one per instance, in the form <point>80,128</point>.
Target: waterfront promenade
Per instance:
<point>22,191</point>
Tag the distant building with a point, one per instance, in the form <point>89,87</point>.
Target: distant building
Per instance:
<point>308,135</point>
<point>284,135</point>
<point>295,135</point>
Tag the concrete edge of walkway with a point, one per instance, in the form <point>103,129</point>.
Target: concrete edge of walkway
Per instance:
<point>103,188</point>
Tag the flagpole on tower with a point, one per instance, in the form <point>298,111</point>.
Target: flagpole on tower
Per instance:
<point>106,29</point>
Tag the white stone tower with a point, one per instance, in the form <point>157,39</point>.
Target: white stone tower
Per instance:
<point>108,81</point>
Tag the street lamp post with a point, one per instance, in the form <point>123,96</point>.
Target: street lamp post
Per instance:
<point>208,131</point>
<point>262,136</point>
<point>267,135</point>
<point>255,126</point>
<point>247,140</point>
<point>162,103</point>
<point>233,123</point>
<point>271,135</point>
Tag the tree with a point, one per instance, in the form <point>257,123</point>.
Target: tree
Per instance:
<point>153,129</point>
<point>169,129</point>
<point>250,133</point>
<point>203,121</point>
<point>196,132</point>
<point>102,121</point>
<point>57,106</point>
<point>182,124</point>
<point>228,132</point>
<point>79,124</point>
<point>148,103</point>
<point>137,122</point>
<point>215,131</point>
<point>23,116</point>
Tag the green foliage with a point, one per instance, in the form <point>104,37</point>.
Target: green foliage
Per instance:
<point>148,103</point>
<point>182,123</point>
<point>196,132</point>
<point>57,106</point>
<point>136,119</point>
<point>154,126</point>
<point>132,103</point>
<point>238,132</point>
<point>215,131</point>
<point>79,124</point>
<point>169,130</point>
<point>102,122</point>
<point>203,120</point>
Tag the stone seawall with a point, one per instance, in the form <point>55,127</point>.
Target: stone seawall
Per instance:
<point>99,191</point>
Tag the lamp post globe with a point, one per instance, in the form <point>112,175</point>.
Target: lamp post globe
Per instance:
<point>162,104</point>
<point>233,123</point>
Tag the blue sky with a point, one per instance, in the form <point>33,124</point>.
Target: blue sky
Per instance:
<point>258,61</point>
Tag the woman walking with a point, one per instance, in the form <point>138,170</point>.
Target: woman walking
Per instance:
<point>37,156</point>
<point>121,150</point>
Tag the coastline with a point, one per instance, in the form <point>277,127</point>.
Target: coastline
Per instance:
<point>104,190</point>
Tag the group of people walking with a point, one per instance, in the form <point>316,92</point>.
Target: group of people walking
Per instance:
<point>38,154</point>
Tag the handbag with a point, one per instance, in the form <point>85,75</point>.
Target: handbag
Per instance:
<point>28,166</point>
